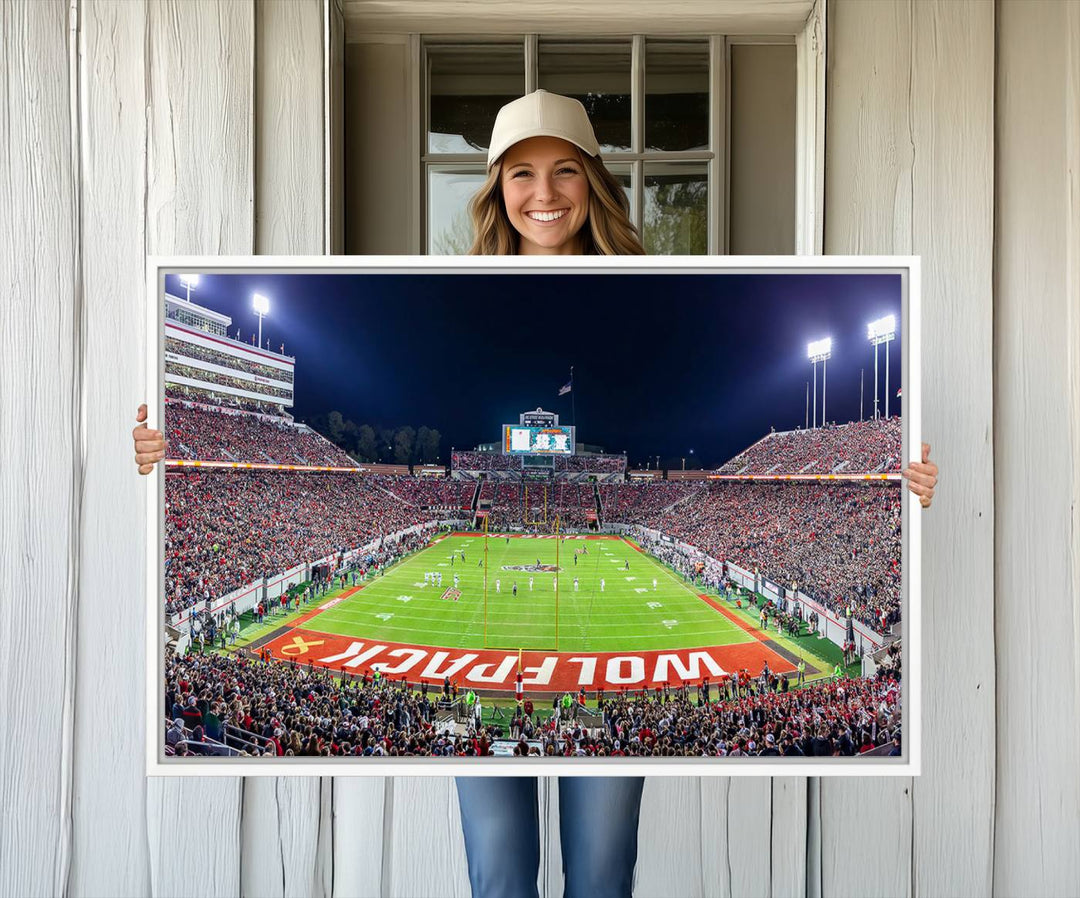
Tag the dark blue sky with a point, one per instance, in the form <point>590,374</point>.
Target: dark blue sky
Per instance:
<point>662,363</point>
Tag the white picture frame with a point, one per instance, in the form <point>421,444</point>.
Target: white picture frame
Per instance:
<point>908,764</point>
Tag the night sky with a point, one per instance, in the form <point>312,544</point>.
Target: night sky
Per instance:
<point>662,363</point>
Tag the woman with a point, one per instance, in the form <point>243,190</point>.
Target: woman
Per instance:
<point>548,193</point>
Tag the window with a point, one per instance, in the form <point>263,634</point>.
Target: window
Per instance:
<point>656,106</point>
<point>663,110</point>
<point>717,138</point>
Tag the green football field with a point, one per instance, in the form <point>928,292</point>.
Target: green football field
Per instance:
<point>628,613</point>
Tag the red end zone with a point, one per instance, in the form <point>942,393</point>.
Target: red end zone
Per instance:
<point>543,671</point>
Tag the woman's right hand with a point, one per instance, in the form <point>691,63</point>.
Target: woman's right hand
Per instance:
<point>149,444</point>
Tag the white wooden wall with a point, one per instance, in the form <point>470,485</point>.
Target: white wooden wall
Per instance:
<point>953,132</point>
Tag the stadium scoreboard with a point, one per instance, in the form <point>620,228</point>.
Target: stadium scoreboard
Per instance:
<point>520,439</point>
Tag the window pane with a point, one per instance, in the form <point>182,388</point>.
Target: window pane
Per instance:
<point>597,74</point>
<point>676,209</point>
<point>467,84</point>
<point>449,191</point>
<point>623,174</point>
<point>676,95</point>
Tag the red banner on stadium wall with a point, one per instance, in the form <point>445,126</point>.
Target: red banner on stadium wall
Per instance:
<point>259,466</point>
<point>542,671</point>
<point>894,476</point>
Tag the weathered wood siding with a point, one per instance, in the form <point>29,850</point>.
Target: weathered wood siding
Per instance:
<point>909,152</point>
<point>953,132</point>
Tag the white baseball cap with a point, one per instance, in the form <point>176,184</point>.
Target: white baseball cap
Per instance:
<point>541,114</point>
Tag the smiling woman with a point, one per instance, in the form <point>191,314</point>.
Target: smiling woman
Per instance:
<point>547,190</point>
<point>546,195</point>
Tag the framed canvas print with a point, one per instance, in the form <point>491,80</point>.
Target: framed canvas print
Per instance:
<point>494,515</point>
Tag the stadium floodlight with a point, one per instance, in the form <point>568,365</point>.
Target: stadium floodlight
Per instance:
<point>262,307</point>
<point>819,351</point>
<point>883,329</point>
<point>189,281</point>
<point>877,332</point>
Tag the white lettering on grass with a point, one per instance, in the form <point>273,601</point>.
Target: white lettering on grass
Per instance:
<point>540,676</point>
<point>434,669</point>
<point>653,605</point>
<point>588,670</point>
<point>386,615</point>
<point>479,674</point>
<point>412,658</point>
<point>669,623</point>
<point>354,649</point>
<point>615,666</point>
<point>688,671</point>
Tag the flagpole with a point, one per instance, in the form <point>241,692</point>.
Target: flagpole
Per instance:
<point>573,406</point>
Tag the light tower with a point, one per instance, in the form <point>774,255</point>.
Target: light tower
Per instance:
<point>881,331</point>
<point>189,281</point>
<point>819,351</point>
<point>262,307</point>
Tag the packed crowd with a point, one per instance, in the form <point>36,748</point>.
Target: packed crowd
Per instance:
<point>639,502</point>
<point>840,542</point>
<point>225,529</point>
<point>287,709</point>
<point>859,447</point>
<point>592,464</point>
<point>434,491</point>
<point>227,360</point>
<point>484,461</point>
<point>184,393</point>
<point>224,380</point>
<point>202,433</point>
<point>891,664</point>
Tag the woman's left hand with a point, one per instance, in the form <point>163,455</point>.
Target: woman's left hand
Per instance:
<point>922,477</point>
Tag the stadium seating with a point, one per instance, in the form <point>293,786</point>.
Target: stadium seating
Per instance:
<point>484,461</point>
<point>226,528</point>
<point>839,541</point>
<point>291,710</point>
<point>859,447</point>
<point>199,432</point>
<point>227,360</point>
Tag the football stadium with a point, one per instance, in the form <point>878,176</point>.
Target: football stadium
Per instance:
<point>537,596</point>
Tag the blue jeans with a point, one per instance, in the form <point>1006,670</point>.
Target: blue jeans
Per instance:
<point>598,822</point>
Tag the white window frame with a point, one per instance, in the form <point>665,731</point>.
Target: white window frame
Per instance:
<point>809,42</point>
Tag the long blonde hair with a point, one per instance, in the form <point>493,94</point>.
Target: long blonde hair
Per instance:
<point>607,232</point>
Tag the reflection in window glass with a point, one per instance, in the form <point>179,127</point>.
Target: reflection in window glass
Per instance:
<point>467,84</point>
<point>676,95</point>
<point>676,209</point>
<point>449,191</point>
<point>623,175</point>
<point>597,74</point>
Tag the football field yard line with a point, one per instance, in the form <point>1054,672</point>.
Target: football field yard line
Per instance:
<point>686,587</point>
<point>518,621</point>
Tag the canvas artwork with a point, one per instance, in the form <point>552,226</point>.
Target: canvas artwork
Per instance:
<point>502,520</point>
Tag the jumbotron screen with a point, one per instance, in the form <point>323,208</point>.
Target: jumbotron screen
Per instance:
<point>520,440</point>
